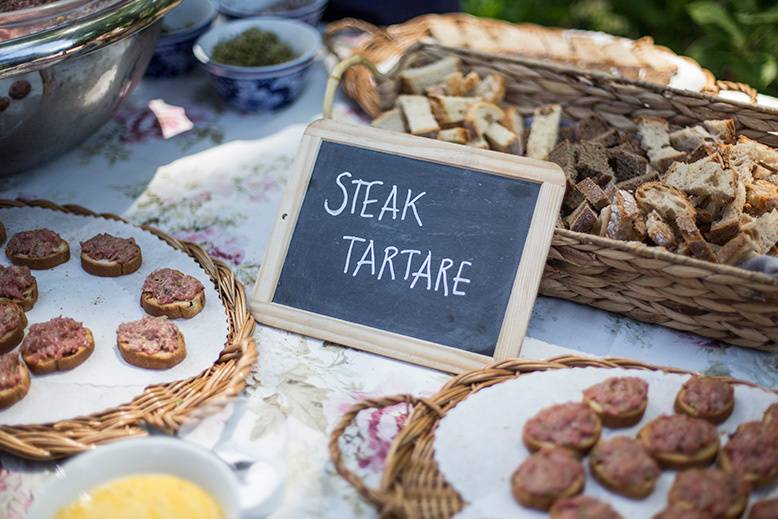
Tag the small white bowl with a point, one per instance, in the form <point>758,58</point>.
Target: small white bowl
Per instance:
<point>261,88</point>
<point>141,456</point>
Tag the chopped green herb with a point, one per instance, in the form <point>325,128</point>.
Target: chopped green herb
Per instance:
<point>253,48</point>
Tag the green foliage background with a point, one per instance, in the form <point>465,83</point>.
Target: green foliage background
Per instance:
<point>735,39</point>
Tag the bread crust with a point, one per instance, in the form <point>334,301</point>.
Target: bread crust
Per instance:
<point>30,297</point>
<point>62,255</point>
<point>11,395</point>
<point>64,363</point>
<point>544,501</point>
<point>161,360</point>
<point>12,339</point>
<point>675,461</point>
<point>617,421</point>
<point>105,268</point>
<point>176,310</point>
<point>682,407</point>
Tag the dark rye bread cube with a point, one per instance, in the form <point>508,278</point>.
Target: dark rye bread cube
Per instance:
<point>583,219</point>
<point>611,138</point>
<point>626,164</point>
<point>593,193</point>
<point>563,155</point>
<point>566,133</point>
<point>591,127</point>
<point>591,161</point>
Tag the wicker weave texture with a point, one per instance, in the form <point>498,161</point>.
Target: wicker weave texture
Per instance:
<point>647,283</point>
<point>164,406</point>
<point>412,486</point>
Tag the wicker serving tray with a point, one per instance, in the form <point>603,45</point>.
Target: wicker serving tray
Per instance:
<point>646,283</point>
<point>163,406</point>
<point>411,484</point>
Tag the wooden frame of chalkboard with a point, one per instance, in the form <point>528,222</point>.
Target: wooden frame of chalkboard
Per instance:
<point>282,283</point>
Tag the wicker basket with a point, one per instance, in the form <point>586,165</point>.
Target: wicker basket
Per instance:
<point>411,485</point>
<point>383,45</point>
<point>164,406</point>
<point>726,303</point>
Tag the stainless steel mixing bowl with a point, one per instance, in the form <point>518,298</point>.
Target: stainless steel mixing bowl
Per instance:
<point>64,69</point>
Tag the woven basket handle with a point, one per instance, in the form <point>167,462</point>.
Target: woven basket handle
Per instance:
<point>375,496</point>
<point>351,24</point>
<point>337,73</point>
<point>721,84</point>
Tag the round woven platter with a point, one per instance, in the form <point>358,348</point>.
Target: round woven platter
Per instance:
<point>164,407</point>
<point>411,484</point>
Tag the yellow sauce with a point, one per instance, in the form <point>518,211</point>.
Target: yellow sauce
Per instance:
<point>147,496</point>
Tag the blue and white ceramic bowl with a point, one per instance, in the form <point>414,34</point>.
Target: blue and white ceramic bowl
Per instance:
<point>180,28</point>
<point>261,88</point>
<point>305,11</point>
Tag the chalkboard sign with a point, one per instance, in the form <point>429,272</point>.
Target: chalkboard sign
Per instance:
<point>409,247</point>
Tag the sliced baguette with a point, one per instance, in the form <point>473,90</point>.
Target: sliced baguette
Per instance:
<point>175,310</point>
<point>480,116</point>
<point>60,256</point>
<point>617,421</point>
<point>108,268</point>
<point>502,139</point>
<point>391,120</point>
<point>676,461</point>
<point>491,89</point>
<point>544,131</point>
<point>161,360</point>
<point>456,135</point>
<point>417,113</point>
<point>12,338</point>
<point>451,110</point>
<point>416,80</point>
<point>682,407</point>
<point>11,395</point>
<point>635,491</point>
<point>65,363</point>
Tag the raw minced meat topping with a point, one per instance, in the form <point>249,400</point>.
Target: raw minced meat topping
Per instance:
<point>625,461</point>
<point>149,335</point>
<point>37,243</point>
<point>707,396</point>
<point>10,370</point>
<point>712,491</point>
<point>680,434</point>
<point>15,281</point>
<point>563,424</point>
<point>754,449</point>
<point>583,507</point>
<point>169,285</point>
<point>548,472</point>
<point>54,339</point>
<point>619,395</point>
<point>110,248</point>
<point>10,317</point>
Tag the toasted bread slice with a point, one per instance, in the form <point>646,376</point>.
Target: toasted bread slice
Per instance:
<point>175,310</point>
<point>582,448</point>
<point>108,268</point>
<point>544,501</point>
<point>676,461</point>
<point>60,256</point>
<point>534,470</point>
<point>161,360</point>
<point>735,502</point>
<point>66,363</point>
<point>683,407</point>
<point>12,339</point>
<point>639,490</point>
<point>11,395</point>
<point>29,299</point>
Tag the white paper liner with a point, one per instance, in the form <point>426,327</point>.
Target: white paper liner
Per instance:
<point>105,380</point>
<point>478,443</point>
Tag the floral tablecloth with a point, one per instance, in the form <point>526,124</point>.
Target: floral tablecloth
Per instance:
<point>218,185</point>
